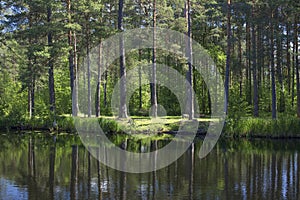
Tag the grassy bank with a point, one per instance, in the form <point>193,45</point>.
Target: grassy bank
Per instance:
<point>284,127</point>
<point>136,125</point>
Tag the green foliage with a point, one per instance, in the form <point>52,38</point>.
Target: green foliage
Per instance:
<point>25,55</point>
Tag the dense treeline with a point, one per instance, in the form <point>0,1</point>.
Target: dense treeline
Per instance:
<point>255,45</point>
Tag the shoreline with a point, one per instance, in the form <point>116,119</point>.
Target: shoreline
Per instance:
<point>243,128</point>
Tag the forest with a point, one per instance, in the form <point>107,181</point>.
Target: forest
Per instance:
<point>254,45</point>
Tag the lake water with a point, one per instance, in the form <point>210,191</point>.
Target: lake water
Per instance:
<point>36,167</point>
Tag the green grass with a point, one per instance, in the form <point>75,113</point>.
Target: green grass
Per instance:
<point>285,127</point>
<point>143,127</point>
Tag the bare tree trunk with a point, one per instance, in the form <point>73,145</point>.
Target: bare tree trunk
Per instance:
<point>288,57</point>
<point>105,89</point>
<point>189,74</point>
<point>123,107</point>
<point>31,94</point>
<point>248,69</point>
<point>273,84</point>
<point>240,61</point>
<point>88,68</point>
<point>50,65</point>
<point>297,64</point>
<point>154,86</point>
<point>254,62</point>
<point>105,81</point>
<point>227,72</point>
<point>140,81</point>
<point>279,68</point>
<point>98,92</point>
<point>75,89</point>
<point>71,57</point>
<point>293,71</point>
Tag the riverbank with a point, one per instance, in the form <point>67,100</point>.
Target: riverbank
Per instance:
<point>285,127</point>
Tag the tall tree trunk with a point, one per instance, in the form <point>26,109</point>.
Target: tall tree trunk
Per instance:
<point>71,56</point>
<point>75,88</point>
<point>153,88</point>
<point>123,107</point>
<point>31,95</point>
<point>273,84</point>
<point>293,71</point>
<point>260,53</point>
<point>248,69</point>
<point>98,92</point>
<point>140,81</point>
<point>297,64</point>
<point>50,64</point>
<point>105,89</point>
<point>31,84</point>
<point>288,57</point>
<point>279,68</point>
<point>254,57</point>
<point>189,74</point>
<point>88,67</point>
<point>240,61</point>
<point>227,72</point>
<point>105,81</point>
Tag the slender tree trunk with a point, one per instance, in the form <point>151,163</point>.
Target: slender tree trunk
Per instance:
<point>31,84</point>
<point>75,88</point>
<point>203,97</point>
<point>31,95</point>
<point>297,64</point>
<point>105,89</point>
<point>123,107</point>
<point>140,81</point>
<point>50,65</point>
<point>254,67</point>
<point>105,81</point>
<point>248,69</point>
<point>227,72</point>
<point>29,105</point>
<point>88,68</point>
<point>288,57</point>
<point>240,62</point>
<point>260,54</point>
<point>71,57</point>
<point>279,68</point>
<point>154,83</point>
<point>293,70</point>
<point>189,75</point>
<point>273,84</point>
<point>98,92</point>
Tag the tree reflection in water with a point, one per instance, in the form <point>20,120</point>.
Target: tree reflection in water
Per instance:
<point>61,168</point>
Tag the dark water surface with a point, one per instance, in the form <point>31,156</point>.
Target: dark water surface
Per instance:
<point>36,167</point>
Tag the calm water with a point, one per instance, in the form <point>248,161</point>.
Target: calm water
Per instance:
<point>36,167</point>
